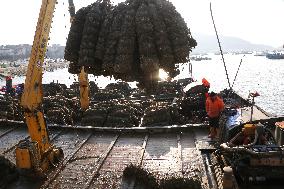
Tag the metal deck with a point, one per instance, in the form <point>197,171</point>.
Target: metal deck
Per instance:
<point>96,159</point>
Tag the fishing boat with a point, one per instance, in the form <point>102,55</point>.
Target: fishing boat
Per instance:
<point>103,153</point>
<point>275,55</point>
<point>200,58</point>
<point>260,53</point>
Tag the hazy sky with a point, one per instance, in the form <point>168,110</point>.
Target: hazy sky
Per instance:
<point>257,21</point>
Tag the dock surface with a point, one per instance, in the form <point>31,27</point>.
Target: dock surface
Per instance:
<point>96,159</point>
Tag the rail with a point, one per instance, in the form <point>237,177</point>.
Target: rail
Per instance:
<point>63,163</point>
<point>101,162</point>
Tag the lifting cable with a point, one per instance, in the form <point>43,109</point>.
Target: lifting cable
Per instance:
<point>238,71</point>
<point>220,47</point>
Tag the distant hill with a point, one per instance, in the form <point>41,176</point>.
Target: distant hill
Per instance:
<point>23,51</point>
<point>208,43</point>
<point>205,44</point>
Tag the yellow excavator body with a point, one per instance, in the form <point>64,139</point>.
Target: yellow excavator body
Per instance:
<point>38,154</point>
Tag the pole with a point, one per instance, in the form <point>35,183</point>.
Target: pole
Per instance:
<point>190,69</point>
<point>220,47</point>
<point>251,112</point>
<point>237,71</point>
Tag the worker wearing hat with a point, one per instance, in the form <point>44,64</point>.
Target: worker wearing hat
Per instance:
<point>214,107</point>
<point>206,84</point>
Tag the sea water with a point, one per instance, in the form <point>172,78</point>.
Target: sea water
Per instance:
<point>256,74</point>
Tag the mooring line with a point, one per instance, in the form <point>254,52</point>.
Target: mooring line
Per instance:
<point>238,71</point>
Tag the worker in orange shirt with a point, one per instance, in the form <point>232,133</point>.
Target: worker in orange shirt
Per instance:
<point>214,107</point>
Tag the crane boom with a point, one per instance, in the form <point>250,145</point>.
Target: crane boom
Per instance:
<point>32,96</point>
<point>37,154</point>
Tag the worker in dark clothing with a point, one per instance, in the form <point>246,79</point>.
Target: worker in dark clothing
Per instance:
<point>214,107</point>
<point>20,90</point>
<point>9,87</point>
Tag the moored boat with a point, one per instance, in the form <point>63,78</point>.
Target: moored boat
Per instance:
<point>275,55</point>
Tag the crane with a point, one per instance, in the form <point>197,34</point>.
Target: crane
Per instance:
<point>38,154</point>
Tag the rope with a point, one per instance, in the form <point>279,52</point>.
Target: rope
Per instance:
<point>220,47</point>
<point>237,71</point>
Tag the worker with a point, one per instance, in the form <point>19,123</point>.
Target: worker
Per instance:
<point>214,107</point>
<point>9,86</point>
<point>19,90</point>
<point>206,85</point>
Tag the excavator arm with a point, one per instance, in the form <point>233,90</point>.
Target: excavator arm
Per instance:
<point>38,154</point>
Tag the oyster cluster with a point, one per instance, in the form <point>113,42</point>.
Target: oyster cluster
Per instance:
<point>129,41</point>
<point>147,180</point>
<point>61,104</point>
<point>193,105</point>
<point>10,108</point>
<point>114,113</point>
<point>8,173</point>
<point>61,110</point>
<point>162,114</point>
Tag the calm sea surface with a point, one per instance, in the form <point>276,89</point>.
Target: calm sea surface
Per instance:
<point>257,73</point>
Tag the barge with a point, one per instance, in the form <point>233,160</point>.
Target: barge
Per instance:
<point>95,157</point>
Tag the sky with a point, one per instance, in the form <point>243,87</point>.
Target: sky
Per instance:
<point>257,21</point>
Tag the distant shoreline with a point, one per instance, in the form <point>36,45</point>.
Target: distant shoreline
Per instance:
<point>21,70</point>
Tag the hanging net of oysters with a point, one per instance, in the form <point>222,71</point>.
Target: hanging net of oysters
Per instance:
<point>130,41</point>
